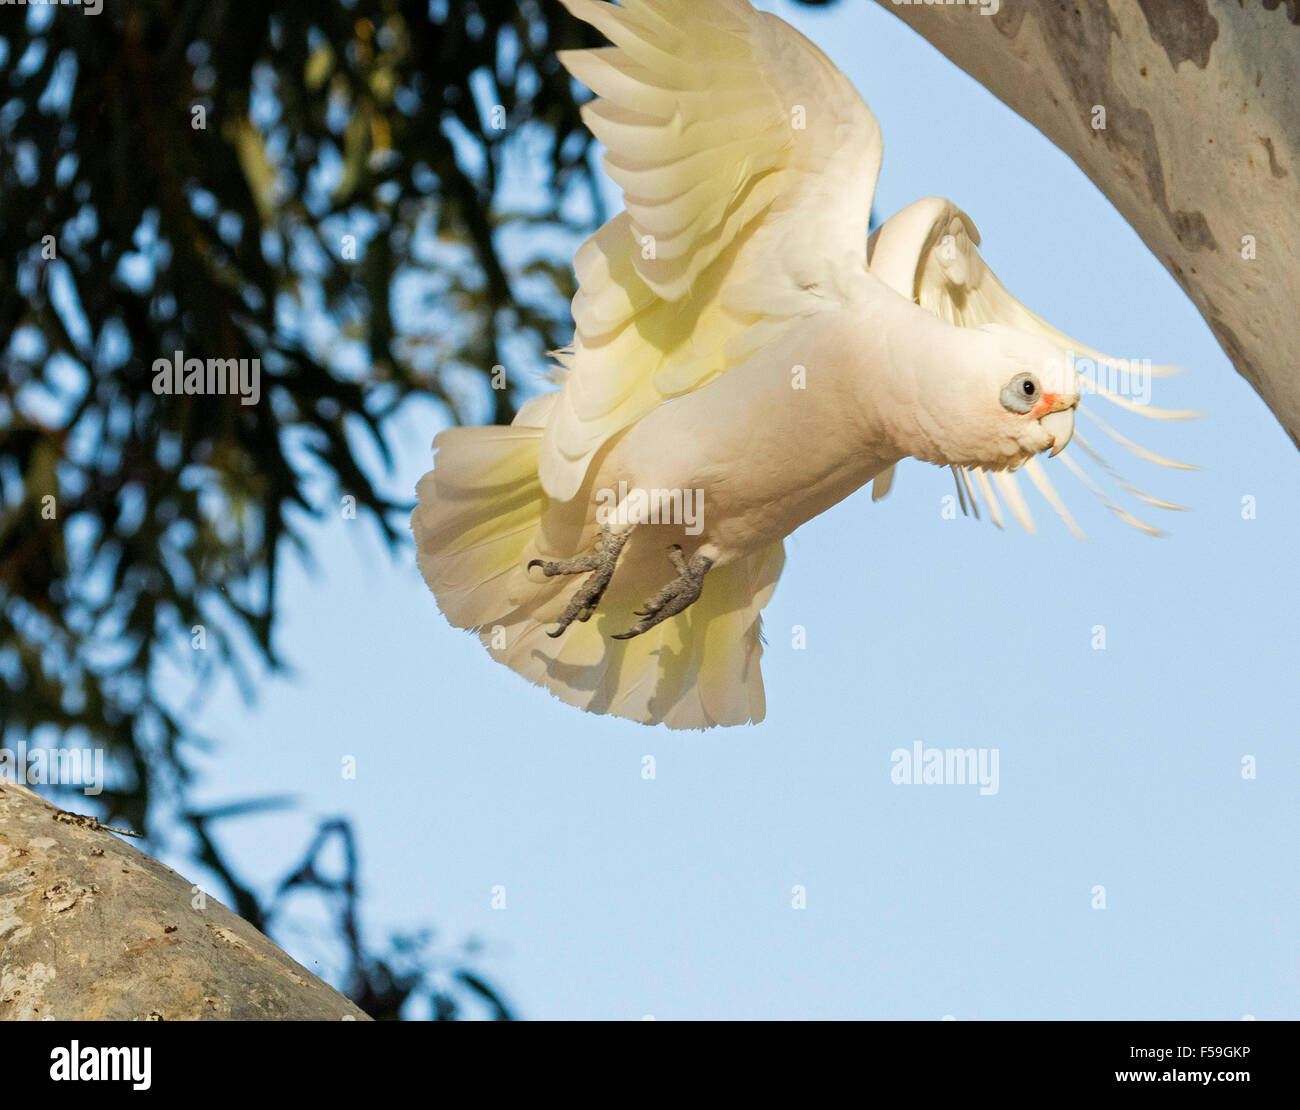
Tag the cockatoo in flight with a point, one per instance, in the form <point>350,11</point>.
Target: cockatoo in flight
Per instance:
<point>743,358</point>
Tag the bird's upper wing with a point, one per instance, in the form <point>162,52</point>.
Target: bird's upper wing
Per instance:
<point>747,163</point>
<point>927,252</point>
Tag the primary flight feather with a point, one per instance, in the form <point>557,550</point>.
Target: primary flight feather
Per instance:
<point>743,358</point>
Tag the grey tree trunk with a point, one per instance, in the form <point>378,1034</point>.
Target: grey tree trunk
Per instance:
<point>1186,114</point>
<point>92,928</point>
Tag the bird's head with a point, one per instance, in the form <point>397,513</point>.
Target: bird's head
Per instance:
<point>1016,401</point>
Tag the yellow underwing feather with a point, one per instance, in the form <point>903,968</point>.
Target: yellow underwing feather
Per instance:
<point>712,115</point>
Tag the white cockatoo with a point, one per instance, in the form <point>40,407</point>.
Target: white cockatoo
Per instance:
<point>743,358</point>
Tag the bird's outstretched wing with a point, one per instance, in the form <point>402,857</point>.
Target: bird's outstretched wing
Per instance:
<point>747,163</point>
<point>927,252</point>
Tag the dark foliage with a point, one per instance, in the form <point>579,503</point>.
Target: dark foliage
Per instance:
<point>230,181</point>
<point>328,188</point>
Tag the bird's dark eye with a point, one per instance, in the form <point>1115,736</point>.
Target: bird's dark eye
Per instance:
<point>1020,394</point>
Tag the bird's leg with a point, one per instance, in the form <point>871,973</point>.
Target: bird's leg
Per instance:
<point>584,602</point>
<point>674,597</point>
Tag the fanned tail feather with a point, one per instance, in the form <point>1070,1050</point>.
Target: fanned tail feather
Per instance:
<point>482,515</point>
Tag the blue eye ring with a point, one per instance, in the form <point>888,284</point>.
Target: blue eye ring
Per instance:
<point>1021,394</point>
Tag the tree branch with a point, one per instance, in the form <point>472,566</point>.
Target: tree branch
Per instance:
<point>90,928</point>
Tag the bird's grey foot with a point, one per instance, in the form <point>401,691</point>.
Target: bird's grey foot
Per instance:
<point>681,592</point>
<point>591,591</point>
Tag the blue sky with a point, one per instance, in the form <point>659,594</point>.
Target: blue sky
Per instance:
<point>1120,767</point>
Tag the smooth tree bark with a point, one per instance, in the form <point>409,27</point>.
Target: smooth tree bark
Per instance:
<point>1186,114</point>
<point>90,928</point>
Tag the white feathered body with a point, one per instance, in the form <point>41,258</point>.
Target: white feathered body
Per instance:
<point>732,345</point>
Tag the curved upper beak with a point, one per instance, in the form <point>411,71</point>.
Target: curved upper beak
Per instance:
<point>1060,423</point>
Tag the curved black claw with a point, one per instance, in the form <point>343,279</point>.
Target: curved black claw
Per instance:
<point>680,593</point>
<point>576,565</point>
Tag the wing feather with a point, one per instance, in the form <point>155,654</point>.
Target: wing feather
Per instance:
<point>747,163</point>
